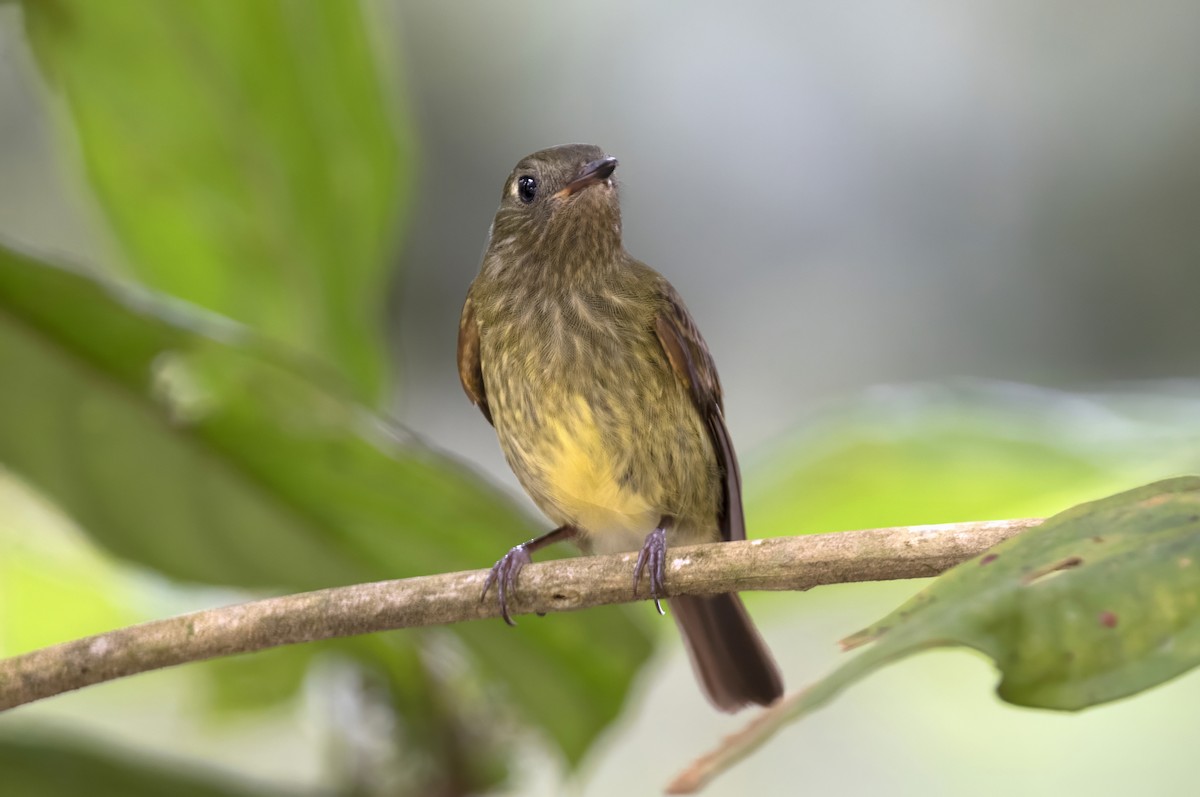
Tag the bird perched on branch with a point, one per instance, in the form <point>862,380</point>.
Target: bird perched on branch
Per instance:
<point>606,402</point>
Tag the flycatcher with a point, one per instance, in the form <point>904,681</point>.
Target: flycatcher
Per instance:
<point>606,402</point>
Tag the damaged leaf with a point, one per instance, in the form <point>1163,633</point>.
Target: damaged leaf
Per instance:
<point>1099,602</point>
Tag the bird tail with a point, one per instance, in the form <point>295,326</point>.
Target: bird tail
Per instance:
<point>731,661</point>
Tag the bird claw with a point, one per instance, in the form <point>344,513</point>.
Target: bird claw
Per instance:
<point>504,576</point>
<point>654,556</point>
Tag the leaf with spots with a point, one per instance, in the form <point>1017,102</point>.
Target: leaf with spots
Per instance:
<point>1098,603</point>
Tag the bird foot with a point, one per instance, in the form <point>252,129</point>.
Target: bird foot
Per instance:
<point>504,576</point>
<point>654,556</point>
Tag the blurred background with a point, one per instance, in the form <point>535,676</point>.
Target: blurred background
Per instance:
<point>946,257</point>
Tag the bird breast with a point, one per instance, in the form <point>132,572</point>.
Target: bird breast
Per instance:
<point>593,421</point>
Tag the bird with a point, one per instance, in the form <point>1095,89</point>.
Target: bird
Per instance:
<point>606,403</point>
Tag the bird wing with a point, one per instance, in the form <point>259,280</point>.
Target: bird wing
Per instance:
<point>692,363</point>
<point>470,370</point>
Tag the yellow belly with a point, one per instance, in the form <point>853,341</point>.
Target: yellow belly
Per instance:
<point>581,478</point>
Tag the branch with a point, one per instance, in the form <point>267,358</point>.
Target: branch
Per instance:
<point>779,563</point>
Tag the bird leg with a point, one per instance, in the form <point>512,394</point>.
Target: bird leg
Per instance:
<point>654,556</point>
<point>505,571</point>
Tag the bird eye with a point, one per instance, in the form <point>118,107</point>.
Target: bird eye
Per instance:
<point>526,188</point>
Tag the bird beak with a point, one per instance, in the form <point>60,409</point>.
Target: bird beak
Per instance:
<point>595,172</point>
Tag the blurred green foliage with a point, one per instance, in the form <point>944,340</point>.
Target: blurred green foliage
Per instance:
<point>53,767</point>
<point>245,157</point>
<point>967,450</point>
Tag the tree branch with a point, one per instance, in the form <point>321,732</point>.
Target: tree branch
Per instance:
<point>780,563</point>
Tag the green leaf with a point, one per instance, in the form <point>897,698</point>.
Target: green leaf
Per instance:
<point>271,480</point>
<point>245,157</point>
<point>1099,602</point>
<point>40,765</point>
